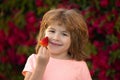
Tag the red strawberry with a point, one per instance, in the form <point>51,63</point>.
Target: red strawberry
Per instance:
<point>44,42</point>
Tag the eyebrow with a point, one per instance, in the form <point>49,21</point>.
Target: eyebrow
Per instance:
<point>50,28</point>
<point>62,31</point>
<point>66,31</point>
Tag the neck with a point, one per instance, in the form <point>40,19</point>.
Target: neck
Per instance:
<point>65,57</point>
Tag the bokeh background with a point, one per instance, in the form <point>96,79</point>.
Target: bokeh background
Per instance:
<point>19,26</point>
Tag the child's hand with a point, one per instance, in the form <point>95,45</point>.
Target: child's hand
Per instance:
<point>43,56</point>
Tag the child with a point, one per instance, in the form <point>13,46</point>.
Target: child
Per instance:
<point>63,58</point>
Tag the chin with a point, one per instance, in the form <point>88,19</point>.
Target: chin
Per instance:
<point>54,52</point>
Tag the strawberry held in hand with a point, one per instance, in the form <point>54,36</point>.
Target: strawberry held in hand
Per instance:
<point>44,42</point>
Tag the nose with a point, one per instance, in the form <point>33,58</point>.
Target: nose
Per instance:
<point>56,36</point>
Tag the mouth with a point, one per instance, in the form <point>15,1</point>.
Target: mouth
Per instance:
<point>55,44</point>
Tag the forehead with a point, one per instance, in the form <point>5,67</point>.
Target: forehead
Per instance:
<point>57,26</point>
<point>62,24</point>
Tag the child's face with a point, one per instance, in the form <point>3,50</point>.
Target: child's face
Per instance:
<point>59,40</point>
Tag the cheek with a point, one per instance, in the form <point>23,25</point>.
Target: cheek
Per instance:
<point>68,42</point>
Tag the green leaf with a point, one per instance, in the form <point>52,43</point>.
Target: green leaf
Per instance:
<point>114,55</point>
<point>90,48</point>
<point>112,38</point>
<point>117,25</point>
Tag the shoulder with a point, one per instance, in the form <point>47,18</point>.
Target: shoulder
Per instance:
<point>31,61</point>
<point>30,64</point>
<point>32,58</point>
<point>80,63</point>
<point>84,71</point>
<point>83,63</point>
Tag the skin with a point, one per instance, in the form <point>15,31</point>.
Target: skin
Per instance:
<point>59,43</point>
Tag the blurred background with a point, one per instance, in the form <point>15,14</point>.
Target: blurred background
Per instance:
<point>19,26</point>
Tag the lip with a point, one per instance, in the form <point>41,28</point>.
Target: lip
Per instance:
<point>56,44</point>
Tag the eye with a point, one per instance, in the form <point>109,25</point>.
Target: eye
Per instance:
<point>65,34</point>
<point>52,31</point>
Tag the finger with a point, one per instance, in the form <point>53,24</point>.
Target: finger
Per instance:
<point>45,52</point>
<point>40,51</point>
